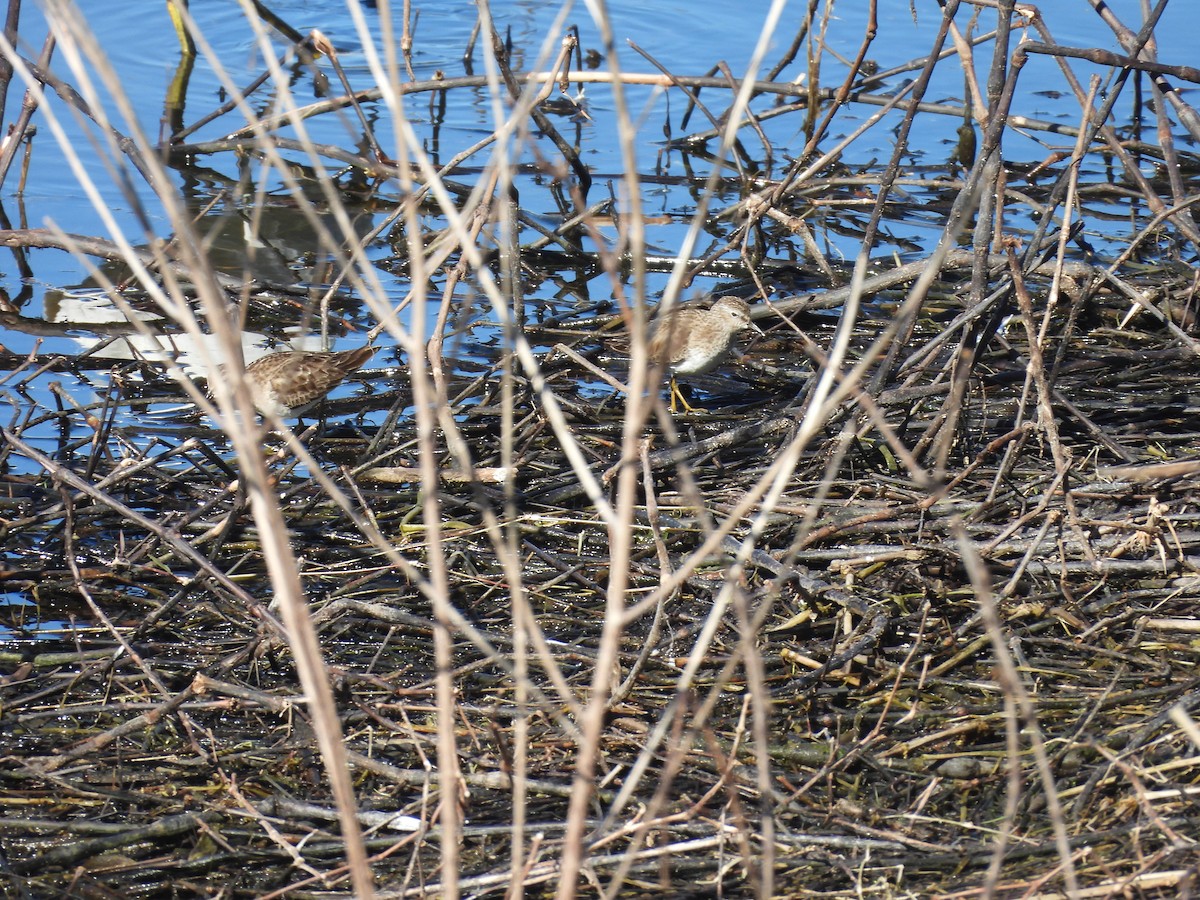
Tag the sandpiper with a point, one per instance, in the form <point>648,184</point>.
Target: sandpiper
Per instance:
<point>286,384</point>
<point>691,341</point>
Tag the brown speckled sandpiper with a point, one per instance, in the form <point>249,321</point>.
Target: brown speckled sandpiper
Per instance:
<point>691,341</point>
<point>285,384</point>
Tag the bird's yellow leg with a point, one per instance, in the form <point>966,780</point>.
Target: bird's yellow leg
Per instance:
<point>676,392</point>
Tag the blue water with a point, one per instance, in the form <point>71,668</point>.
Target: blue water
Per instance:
<point>685,37</point>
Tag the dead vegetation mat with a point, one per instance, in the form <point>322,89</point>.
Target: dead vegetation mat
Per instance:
<point>949,652</point>
<point>900,757</point>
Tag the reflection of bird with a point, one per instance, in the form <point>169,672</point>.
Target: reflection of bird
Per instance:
<point>690,341</point>
<point>285,384</point>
